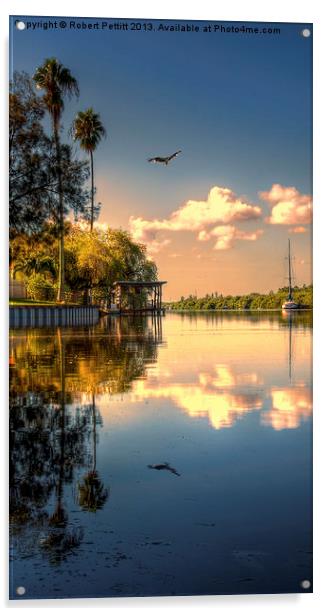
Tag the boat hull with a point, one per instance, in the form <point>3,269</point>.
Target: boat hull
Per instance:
<point>290,306</point>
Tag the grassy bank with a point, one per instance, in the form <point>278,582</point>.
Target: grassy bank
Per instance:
<point>34,303</point>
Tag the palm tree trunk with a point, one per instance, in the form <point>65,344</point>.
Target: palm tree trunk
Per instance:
<point>92,189</point>
<point>61,281</point>
<point>92,211</point>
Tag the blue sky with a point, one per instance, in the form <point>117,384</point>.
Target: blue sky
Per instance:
<point>238,105</point>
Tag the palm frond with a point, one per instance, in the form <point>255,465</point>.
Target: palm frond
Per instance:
<point>88,129</point>
<point>56,81</point>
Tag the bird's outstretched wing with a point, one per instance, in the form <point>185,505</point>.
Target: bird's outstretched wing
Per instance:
<point>156,159</point>
<point>174,155</point>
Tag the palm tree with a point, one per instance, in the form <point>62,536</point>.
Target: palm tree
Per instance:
<point>89,130</point>
<point>57,81</point>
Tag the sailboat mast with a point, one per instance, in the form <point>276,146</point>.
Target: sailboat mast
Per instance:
<point>289,271</point>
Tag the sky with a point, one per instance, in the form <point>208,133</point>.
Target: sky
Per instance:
<point>218,217</point>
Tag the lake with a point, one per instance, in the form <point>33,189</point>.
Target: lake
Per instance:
<point>162,456</point>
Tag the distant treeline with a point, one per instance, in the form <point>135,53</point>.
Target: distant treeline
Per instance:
<point>251,301</point>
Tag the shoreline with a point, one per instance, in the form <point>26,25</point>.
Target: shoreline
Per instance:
<point>306,309</point>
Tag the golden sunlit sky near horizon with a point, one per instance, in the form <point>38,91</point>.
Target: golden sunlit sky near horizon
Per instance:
<point>192,266</point>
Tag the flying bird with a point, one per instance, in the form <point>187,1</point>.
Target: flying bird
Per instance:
<point>164,159</point>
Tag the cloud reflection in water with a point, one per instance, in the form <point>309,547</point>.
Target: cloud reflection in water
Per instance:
<point>225,395</point>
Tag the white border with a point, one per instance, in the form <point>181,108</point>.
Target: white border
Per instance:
<point>240,10</point>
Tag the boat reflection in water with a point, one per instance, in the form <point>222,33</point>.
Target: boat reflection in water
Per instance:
<point>290,304</point>
<point>223,398</point>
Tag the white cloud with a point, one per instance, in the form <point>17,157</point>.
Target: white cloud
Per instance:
<point>156,245</point>
<point>289,206</point>
<point>221,207</point>
<point>227,234</point>
<point>204,236</point>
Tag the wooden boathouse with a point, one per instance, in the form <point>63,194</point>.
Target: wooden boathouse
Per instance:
<point>133,296</point>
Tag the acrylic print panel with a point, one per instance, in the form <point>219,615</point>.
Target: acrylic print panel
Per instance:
<point>160,308</point>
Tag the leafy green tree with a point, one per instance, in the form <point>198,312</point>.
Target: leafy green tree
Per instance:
<point>33,178</point>
<point>28,176</point>
<point>95,261</point>
<point>88,130</point>
<point>252,301</point>
<point>57,81</point>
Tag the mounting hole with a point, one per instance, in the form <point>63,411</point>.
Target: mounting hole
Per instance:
<point>306,32</point>
<point>306,584</point>
<point>20,590</point>
<point>20,25</point>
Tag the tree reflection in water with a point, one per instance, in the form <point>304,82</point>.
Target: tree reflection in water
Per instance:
<point>53,433</point>
<point>92,493</point>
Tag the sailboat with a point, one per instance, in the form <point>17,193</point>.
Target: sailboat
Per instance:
<point>290,304</point>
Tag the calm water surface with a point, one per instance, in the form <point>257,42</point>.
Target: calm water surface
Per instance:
<point>223,399</point>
